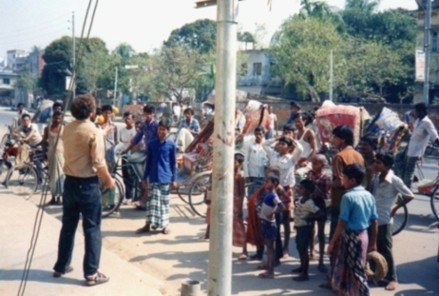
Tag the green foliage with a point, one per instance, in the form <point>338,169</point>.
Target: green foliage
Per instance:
<point>199,35</point>
<point>301,50</point>
<point>174,70</point>
<point>58,57</point>
<point>373,52</point>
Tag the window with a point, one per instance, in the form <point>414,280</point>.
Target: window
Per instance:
<point>434,41</point>
<point>243,70</point>
<point>6,81</point>
<point>257,69</point>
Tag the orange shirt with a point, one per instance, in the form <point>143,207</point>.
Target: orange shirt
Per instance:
<point>345,157</point>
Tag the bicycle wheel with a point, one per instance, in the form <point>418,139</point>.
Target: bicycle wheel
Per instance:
<point>24,181</point>
<point>197,194</point>
<point>112,198</point>
<point>434,202</point>
<point>399,220</point>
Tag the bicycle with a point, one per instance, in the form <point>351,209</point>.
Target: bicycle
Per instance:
<point>133,163</point>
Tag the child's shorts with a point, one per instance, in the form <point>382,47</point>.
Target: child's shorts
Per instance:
<point>269,230</point>
<point>303,238</point>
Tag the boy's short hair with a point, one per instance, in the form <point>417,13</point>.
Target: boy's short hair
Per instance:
<point>20,105</point>
<point>126,114</point>
<point>165,123</point>
<point>188,110</point>
<point>345,133</point>
<point>239,157</point>
<point>149,109</point>
<point>56,104</point>
<point>386,158</point>
<point>274,178</point>
<point>321,158</point>
<point>421,107</point>
<point>372,141</point>
<point>308,185</point>
<point>25,115</point>
<point>289,127</point>
<point>295,105</point>
<point>355,171</point>
<point>259,129</point>
<point>286,140</point>
<point>107,108</point>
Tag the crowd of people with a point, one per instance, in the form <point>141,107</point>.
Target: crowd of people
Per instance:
<point>288,175</point>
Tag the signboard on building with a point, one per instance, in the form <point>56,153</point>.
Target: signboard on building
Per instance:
<point>420,65</point>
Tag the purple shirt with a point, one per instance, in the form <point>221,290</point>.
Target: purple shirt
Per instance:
<point>147,131</point>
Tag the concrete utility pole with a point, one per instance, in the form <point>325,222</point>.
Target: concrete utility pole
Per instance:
<point>427,50</point>
<point>220,245</point>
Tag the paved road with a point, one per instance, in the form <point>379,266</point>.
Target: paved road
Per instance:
<point>156,264</point>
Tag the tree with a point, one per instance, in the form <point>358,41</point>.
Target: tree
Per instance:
<point>94,67</point>
<point>199,35</point>
<point>58,57</point>
<point>367,6</point>
<point>173,71</point>
<point>300,52</point>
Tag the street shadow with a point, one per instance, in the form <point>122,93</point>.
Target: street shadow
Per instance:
<point>37,275</point>
<point>422,223</point>
<point>427,274</point>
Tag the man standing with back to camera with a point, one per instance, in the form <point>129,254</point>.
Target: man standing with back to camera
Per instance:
<point>84,161</point>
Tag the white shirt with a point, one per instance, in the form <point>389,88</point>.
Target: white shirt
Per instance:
<point>256,160</point>
<point>126,135</point>
<point>423,131</point>
<point>385,194</point>
<point>302,210</point>
<point>285,164</point>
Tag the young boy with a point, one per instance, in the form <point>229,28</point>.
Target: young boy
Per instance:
<point>322,181</point>
<point>351,242</point>
<point>305,212</point>
<point>271,204</point>
<point>239,235</point>
<point>386,187</point>
<point>126,134</point>
<point>160,173</point>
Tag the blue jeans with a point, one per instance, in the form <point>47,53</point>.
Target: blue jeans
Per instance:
<point>81,197</point>
<point>405,167</point>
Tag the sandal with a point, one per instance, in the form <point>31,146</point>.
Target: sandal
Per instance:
<point>266,275</point>
<point>143,229</point>
<point>166,230</point>
<point>96,279</point>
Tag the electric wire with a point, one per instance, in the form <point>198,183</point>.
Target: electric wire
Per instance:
<point>40,212</point>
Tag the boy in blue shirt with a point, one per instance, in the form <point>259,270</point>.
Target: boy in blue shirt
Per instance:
<point>160,173</point>
<point>271,204</point>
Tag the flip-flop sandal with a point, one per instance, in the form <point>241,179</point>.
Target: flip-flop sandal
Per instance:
<point>144,229</point>
<point>265,275</point>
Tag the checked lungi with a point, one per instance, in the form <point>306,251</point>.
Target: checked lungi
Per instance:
<point>157,207</point>
<point>349,275</point>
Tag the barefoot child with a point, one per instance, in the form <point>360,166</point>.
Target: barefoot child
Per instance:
<point>270,205</point>
<point>239,235</point>
<point>322,181</point>
<point>305,212</point>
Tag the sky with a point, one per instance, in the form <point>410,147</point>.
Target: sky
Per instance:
<point>143,24</point>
